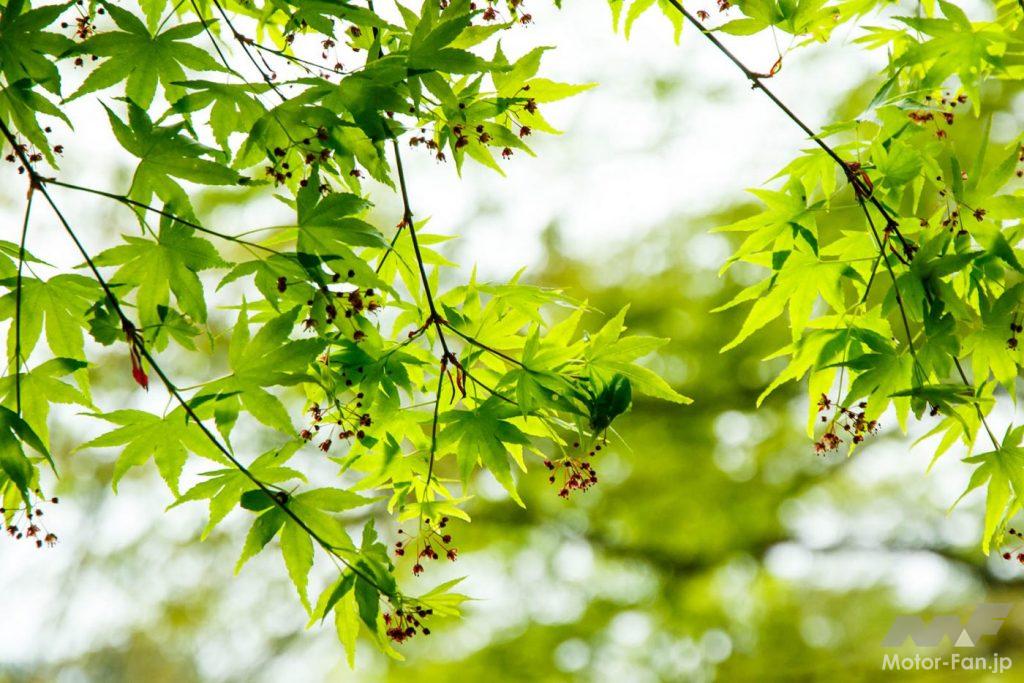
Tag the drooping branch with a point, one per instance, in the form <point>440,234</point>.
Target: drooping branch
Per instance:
<point>17,298</point>
<point>863,192</point>
<point>757,82</point>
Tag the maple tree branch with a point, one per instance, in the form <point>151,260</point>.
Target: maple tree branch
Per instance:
<point>906,324</point>
<point>756,80</point>
<point>479,344</point>
<point>38,183</point>
<point>243,41</point>
<point>861,189</point>
<point>17,300</point>
<point>124,199</point>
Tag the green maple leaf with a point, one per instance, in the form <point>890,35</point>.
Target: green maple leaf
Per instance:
<point>40,387</point>
<point>883,376</point>
<point>141,59</point>
<point>27,59</point>
<point>1003,471</point>
<point>166,440</point>
<point>15,465</point>
<point>226,488</point>
<point>165,154</point>
<point>235,106</point>
<point>367,94</point>
<point>610,353</point>
<point>296,544</point>
<point>538,384</point>
<point>19,104</point>
<point>988,344</point>
<point>482,434</point>
<point>429,49</point>
<point>314,508</point>
<point>58,305</point>
<point>153,9</point>
<point>327,229</point>
<point>163,266</point>
<point>269,358</point>
<point>26,50</point>
<point>324,220</point>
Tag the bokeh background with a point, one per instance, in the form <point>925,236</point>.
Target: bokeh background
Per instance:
<point>717,546</point>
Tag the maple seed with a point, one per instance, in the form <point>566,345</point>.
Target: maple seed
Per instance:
<point>135,355</point>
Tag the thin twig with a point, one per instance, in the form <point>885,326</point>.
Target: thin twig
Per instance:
<point>17,300</point>
<point>433,432</point>
<point>124,199</point>
<point>757,82</point>
<point>895,286</point>
<point>243,41</point>
<point>479,344</point>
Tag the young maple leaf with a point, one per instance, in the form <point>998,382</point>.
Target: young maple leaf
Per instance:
<point>140,59</point>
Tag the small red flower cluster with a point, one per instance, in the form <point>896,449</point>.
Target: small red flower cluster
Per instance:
<point>1015,554</point>
<point>25,523</point>
<point>850,420</point>
<point>943,108</point>
<point>351,302</point>
<point>426,544</point>
<point>344,420</point>
<point>573,473</point>
<point>403,625</point>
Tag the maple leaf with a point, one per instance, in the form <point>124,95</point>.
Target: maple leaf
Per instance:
<point>166,440</point>
<point>162,266</point>
<point>482,434</point>
<point>269,358</point>
<point>15,465</point>
<point>1003,471</point>
<point>42,386</point>
<point>141,59</point>
<point>58,306</point>
<point>26,50</point>
<point>164,154</point>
